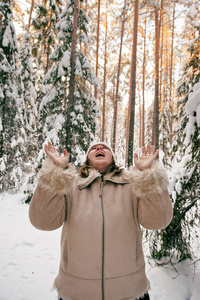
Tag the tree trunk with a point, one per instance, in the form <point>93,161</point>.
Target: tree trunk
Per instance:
<point>104,80</point>
<point>155,130</point>
<point>143,85</point>
<point>161,51</point>
<point>3,118</point>
<point>132,88</point>
<point>72,76</point>
<point>118,75</point>
<point>48,50</point>
<point>127,132</point>
<point>30,15</point>
<point>97,49</point>
<point>86,9</point>
<point>171,78</point>
<point>140,128</point>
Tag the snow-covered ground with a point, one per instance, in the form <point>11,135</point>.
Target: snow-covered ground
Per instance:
<point>29,261</point>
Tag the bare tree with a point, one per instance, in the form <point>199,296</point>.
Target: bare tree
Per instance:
<point>97,48</point>
<point>171,76</point>
<point>30,15</point>
<point>132,88</point>
<point>118,75</point>
<point>104,77</point>
<point>143,83</point>
<point>155,129</point>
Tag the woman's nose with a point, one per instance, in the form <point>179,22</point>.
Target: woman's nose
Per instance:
<point>99,148</point>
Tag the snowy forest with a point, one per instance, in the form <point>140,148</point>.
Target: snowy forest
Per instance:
<point>126,72</point>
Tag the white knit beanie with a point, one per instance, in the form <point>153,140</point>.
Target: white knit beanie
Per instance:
<point>94,143</point>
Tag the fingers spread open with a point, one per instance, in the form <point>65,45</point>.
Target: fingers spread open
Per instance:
<point>144,151</point>
<point>152,150</point>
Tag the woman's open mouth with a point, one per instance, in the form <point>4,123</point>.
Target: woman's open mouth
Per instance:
<point>100,154</point>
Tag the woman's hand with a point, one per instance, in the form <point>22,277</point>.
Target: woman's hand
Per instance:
<point>148,157</point>
<point>61,161</point>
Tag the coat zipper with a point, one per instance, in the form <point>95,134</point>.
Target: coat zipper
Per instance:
<point>102,275</point>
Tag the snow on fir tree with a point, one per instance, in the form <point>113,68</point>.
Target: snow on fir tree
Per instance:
<point>47,14</point>
<point>193,110</point>
<point>164,131</point>
<point>12,134</point>
<point>31,110</point>
<point>27,78</point>
<point>185,173</point>
<point>190,76</point>
<point>79,117</point>
<point>184,184</point>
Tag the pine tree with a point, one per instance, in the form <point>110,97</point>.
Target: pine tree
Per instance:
<point>116,99</point>
<point>12,119</point>
<point>56,105</point>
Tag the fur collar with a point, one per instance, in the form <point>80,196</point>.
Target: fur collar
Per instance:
<point>122,178</point>
<point>57,180</point>
<point>144,183</point>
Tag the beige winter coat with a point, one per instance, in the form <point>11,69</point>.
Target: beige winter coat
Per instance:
<point>101,243</point>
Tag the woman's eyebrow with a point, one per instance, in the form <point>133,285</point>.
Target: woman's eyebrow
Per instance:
<point>98,145</point>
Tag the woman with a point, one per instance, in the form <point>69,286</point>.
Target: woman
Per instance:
<point>101,210</point>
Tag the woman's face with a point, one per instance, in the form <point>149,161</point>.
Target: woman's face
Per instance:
<point>100,157</point>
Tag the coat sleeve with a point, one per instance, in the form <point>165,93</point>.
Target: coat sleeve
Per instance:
<point>154,206</point>
<point>48,207</point>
